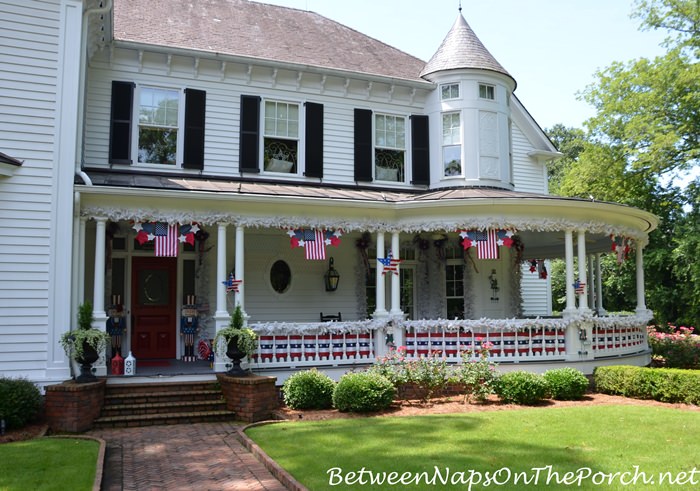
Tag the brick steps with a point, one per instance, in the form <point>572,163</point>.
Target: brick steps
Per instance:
<point>163,403</point>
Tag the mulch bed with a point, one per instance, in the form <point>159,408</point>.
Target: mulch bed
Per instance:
<point>34,430</point>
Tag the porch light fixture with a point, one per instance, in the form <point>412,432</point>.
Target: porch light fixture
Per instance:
<point>332,277</point>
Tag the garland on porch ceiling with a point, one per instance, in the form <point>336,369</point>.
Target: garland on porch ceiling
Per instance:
<point>367,225</point>
<point>454,325</point>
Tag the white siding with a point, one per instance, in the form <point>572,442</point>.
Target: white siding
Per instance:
<point>528,174</point>
<point>223,106</point>
<point>536,293</point>
<point>29,70</point>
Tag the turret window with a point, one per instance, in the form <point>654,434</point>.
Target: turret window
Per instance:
<point>449,91</point>
<point>389,147</point>
<point>451,144</point>
<point>487,91</point>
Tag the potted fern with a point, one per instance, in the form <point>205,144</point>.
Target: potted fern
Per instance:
<point>85,343</point>
<point>238,341</point>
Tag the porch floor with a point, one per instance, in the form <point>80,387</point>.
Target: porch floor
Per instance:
<point>169,368</point>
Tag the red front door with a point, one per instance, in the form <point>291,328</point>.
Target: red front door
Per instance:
<point>153,307</point>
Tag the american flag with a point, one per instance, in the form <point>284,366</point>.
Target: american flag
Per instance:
<point>487,244</point>
<point>579,287</point>
<point>232,284</point>
<point>389,263</point>
<point>314,244</point>
<point>166,238</point>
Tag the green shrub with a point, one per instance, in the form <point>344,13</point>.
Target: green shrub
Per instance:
<point>477,374</point>
<point>661,384</point>
<point>308,389</point>
<point>566,384</point>
<point>20,401</point>
<point>363,392</point>
<point>521,387</point>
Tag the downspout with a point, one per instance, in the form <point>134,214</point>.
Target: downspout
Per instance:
<point>104,9</point>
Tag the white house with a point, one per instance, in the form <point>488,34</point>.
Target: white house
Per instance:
<point>156,150</point>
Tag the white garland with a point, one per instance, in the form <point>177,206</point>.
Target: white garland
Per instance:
<point>536,224</point>
<point>453,325</point>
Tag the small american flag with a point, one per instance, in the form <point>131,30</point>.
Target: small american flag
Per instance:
<point>232,284</point>
<point>166,239</point>
<point>314,244</point>
<point>487,244</point>
<point>389,263</point>
<point>579,287</point>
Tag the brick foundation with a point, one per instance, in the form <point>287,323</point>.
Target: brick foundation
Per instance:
<point>413,391</point>
<point>72,407</point>
<point>252,398</point>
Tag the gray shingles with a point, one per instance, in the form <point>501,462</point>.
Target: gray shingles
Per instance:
<point>252,29</point>
<point>462,49</point>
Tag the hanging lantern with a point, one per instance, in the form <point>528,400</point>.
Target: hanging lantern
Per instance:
<point>332,277</point>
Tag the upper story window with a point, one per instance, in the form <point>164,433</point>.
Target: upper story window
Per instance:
<point>157,125</point>
<point>159,116</point>
<point>487,92</point>
<point>449,91</point>
<point>451,144</point>
<point>281,137</point>
<point>389,147</point>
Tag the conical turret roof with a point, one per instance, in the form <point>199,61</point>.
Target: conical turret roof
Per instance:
<point>462,49</point>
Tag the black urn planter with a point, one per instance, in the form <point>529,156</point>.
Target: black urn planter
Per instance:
<point>236,355</point>
<point>90,356</point>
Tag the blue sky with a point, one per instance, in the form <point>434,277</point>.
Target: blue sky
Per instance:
<point>551,47</point>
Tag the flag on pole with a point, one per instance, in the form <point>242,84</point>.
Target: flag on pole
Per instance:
<point>314,244</point>
<point>487,244</point>
<point>166,239</point>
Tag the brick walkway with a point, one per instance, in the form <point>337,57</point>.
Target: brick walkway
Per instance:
<point>202,456</point>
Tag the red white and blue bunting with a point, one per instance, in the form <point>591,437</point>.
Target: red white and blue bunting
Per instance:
<point>486,241</point>
<point>314,241</point>
<point>167,236</point>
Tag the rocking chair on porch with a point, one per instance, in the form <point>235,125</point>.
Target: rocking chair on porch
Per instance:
<point>331,318</point>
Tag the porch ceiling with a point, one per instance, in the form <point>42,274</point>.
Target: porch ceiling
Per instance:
<point>539,218</point>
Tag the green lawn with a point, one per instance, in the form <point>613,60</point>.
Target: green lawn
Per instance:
<point>604,439</point>
<point>48,464</point>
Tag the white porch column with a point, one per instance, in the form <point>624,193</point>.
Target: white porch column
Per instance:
<point>592,286</point>
<point>380,309</point>
<point>639,260</point>
<point>396,291</point>
<point>395,278</point>
<point>240,266</point>
<point>80,262</point>
<point>221,316</point>
<point>582,273</point>
<point>599,286</point>
<point>98,298</point>
<point>569,258</point>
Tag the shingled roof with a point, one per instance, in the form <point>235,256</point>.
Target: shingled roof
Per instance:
<point>258,30</point>
<point>462,49</point>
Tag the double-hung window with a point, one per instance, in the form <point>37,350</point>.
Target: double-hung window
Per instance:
<point>389,148</point>
<point>487,91</point>
<point>281,137</point>
<point>449,91</point>
<point>451,144</point>
<point>158,125</point>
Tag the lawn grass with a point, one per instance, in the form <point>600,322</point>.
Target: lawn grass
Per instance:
<point>606,439</point>
<point>48,464</point>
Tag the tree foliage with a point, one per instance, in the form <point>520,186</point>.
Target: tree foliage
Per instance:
<point>646,133</point>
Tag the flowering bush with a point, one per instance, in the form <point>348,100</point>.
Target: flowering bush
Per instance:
<point>477,374</point>
<point>393,366</point>
<point>674,347</point>
<point>430,374</point>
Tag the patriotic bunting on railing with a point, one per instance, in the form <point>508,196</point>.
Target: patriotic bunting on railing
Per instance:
<point>313,241</point>
<point>486,242</point>
<point>167,237</point>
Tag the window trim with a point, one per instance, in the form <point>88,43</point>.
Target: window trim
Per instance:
<point>300,139</point>
<point>451,84</point>
<point>180,141</point>
<point>406,140</point>
<point>443,146</point>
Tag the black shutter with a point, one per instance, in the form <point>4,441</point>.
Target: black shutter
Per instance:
<point>250,138</point>
<point>195,106</point>
<point>420,149</point>
<point>314,140</point>
<point>363,145</point>
<point>120,123</point>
